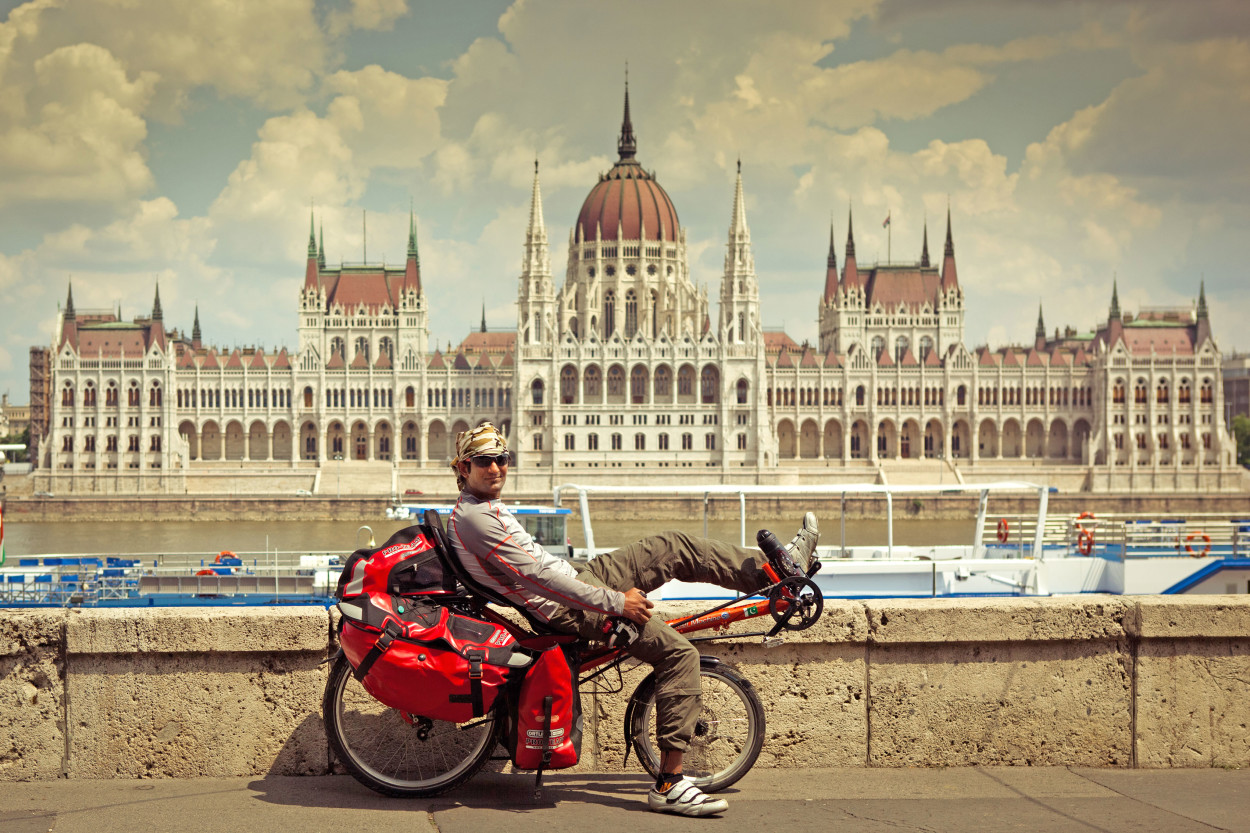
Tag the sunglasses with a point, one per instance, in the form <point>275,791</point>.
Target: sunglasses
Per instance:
<point>483,461</point>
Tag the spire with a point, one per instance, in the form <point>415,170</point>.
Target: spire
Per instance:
<point>924,249</point>
<point>1114,314</point>
<point>850,271</point>
<point>69,305</point>
<point>626,146</point>
<point>831,267</point>
<point>412,269</point>
<point>1039,337</point>
<point>738,223</point>
<point>950,278</point>
<point>195,328</point>
<point>1203,330</point>
<point>1202,300</point>
<point>312,236</point>
<point>157,313</point>
<point>537,228</point>
<point>321,248</point>
<point>483,315</point>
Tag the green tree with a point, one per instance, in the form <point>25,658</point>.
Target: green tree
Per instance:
<point>1241,432</point>
<point>22,438</point>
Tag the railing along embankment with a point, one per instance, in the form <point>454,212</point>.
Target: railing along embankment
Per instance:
<point>1083,680</point>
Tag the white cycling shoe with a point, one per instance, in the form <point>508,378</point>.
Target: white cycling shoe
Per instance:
<point>685,799</point>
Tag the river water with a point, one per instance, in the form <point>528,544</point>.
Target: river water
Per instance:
<point>256,540</point>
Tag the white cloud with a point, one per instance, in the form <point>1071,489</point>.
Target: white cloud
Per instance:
<point>376,15</point>
<point>388,119</point>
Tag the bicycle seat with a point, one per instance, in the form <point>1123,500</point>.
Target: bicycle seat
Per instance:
<point>451,563</point>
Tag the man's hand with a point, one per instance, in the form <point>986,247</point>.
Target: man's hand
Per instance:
<point>637,606</point>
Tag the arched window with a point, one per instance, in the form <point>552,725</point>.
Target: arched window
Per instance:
<point>663,381</point>
<point>685,381</point>
<point>386,348</point>
<point>362,346</point>
<point>1140,392</point>
<point>592,383</point>
<point>961,395</point>
<point>709,385</point>
<point>859,396</point>
<point>926,347</point>
<point>638,385</point>
<point>900,347</point>
<point>337,345</point>
<point>1161,394</point>
<point>568,385</point>
<point>609,313</point>
<point>536,391</point>
<point>573,327</point>
<point>616,381</point>
<point>878,344</point>
<point>410,397</point>
<point>631,313</point>
<point>1117,392</point>
<point>743,388</point>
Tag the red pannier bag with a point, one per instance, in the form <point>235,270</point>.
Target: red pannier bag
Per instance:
<point>408,650</point>
<point>547,732</point>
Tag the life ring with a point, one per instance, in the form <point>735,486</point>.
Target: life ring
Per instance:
<point>206,573</point>
<point>1085,542</point>
<point>1206,544</point>
<point>1004,530</point>
<point>223,554</point>
<point>1084,535</point>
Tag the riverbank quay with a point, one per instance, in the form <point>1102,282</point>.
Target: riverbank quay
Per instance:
<point>1141,682</point>
<point>956,800</point>
<point>60,509</point>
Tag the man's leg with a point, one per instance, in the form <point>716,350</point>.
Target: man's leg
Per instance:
<point>650,562</point>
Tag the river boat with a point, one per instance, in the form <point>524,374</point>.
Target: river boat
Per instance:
<point>1036,553</point>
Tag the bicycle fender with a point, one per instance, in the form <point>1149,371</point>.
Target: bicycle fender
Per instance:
<point>643,693</point>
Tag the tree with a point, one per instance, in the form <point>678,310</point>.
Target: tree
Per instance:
<point>23,439</point>
<point>1241,432</point>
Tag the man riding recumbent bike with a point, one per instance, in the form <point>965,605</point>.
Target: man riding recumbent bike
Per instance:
<point>429,678</point>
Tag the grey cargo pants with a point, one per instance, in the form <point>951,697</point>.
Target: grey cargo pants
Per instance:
<point>647,564</point>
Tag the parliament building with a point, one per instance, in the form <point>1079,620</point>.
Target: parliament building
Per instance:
<point>625,372</point>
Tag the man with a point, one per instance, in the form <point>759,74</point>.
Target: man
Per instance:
<point>500,554</point>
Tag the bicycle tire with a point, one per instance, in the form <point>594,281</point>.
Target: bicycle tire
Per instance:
<point>728,735</point>
<point>384,751</point>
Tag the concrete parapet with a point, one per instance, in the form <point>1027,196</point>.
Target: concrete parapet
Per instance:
<point>1085,680</point>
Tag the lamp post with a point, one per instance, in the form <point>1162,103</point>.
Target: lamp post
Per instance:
<point>338,476</point>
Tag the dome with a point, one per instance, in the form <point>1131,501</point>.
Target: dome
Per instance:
<point>628,198</point>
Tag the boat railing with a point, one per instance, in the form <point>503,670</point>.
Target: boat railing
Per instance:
<point>1034,547</point>
<point>1124,535</point>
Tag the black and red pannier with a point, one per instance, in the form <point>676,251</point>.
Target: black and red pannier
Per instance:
<point>409,650</point>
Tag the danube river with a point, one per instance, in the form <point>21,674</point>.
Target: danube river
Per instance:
<point>291,538</point>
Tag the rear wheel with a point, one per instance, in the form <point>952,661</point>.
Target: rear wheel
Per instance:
<point>395,753</point>
<point>728,735</point>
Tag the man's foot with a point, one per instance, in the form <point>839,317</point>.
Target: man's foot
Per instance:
<point>685,799</point>
<point>801,550</point>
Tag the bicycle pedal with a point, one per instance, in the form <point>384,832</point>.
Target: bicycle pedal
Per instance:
<point>773,641</point>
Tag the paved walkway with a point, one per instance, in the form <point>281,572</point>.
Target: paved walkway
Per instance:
<point>978,800</point>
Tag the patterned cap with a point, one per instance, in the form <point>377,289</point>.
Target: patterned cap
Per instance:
<point>484,439</point>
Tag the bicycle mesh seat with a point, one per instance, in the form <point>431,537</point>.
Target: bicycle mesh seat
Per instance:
<point>451,563</point>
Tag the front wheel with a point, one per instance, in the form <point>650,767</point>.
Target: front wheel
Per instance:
<point>396,753</point>
<point>728,734</point>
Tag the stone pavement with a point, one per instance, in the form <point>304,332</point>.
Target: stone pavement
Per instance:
<point>978,800</point>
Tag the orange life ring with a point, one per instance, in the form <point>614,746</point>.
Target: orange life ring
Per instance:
<point>1004,530</point>
<point>206,573</point>
<point>1084,535</point>
<point>223,554</point>
<point>1206,544</point>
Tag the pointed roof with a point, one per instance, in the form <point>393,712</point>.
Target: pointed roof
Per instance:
<point>1114,312</point>
<point>924,248</point>
<point>336,361</point>
<point>850,272</point>
<point>537,226</point>
<point>195,328</point>
<point>70,315</point>
<point>1203,331</point>
<point>187,360</point>
<point>157,313</point>
<point>1041,325</point>
<point>412,266</point>
<point>210,360</point>
<point>282,361</point>
<point>987,358</point>
<point>483,315</point>
<point>1081,358</point>
<point>436,361</point>
<point>1035,359</point>
<point>783,359</point>
<point>950,279</point>
<point>738,219</point>
<point>258,361</point>
<point>312,269</point>
<point>626,145</point>
<point>808,359</point>
<point>832,359</point>
<point>235,362</point>
<point>931,359</point>
<point>462,362</point>
<point>884,359</point>
<point>1059,359</point>
<point>909,359</point>
<point>506,361</point>
<point>1010,359</point>
<point>321,248</point>
<point>485,362</point>
<point>831,267</point>
<point>383,362</point>
<point>360,362</point>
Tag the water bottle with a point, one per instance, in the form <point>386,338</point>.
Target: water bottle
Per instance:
<point>777,555</point>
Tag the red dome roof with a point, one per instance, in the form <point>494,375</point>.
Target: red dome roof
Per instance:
<point>629,198</point>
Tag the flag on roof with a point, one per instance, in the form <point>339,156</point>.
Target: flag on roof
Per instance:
<point>885,222</point>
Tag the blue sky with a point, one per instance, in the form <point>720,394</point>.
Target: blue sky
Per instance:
<point>184,142</point>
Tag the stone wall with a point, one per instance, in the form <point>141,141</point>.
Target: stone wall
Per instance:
<point>1085,681</point>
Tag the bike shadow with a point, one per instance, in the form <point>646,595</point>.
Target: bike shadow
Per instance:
<point>504,791</point>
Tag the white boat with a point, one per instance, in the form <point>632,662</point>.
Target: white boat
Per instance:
<point>1017,555</point>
